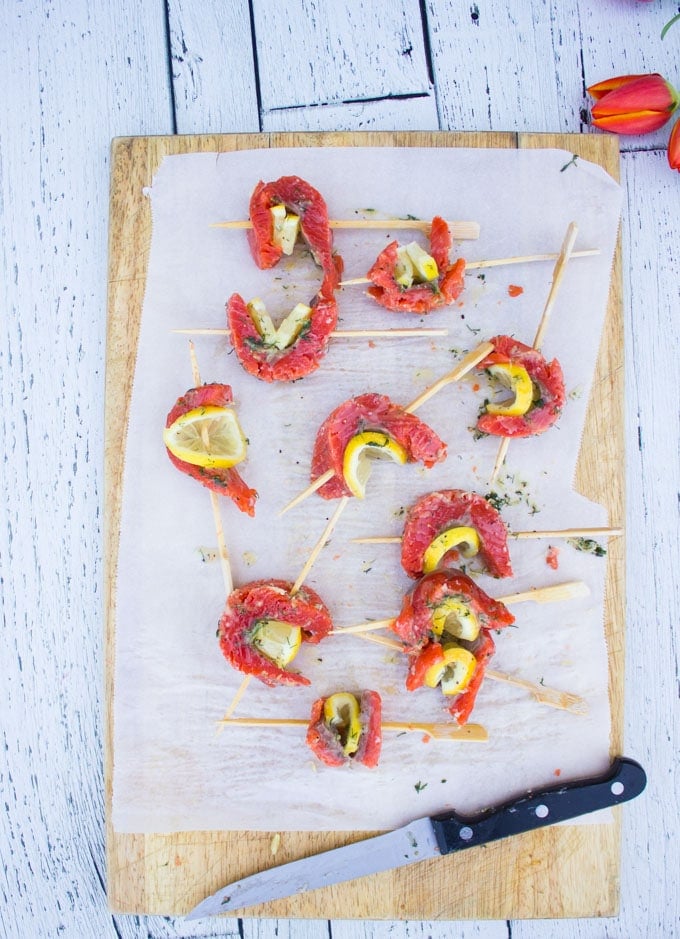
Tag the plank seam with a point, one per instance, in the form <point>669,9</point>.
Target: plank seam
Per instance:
<point>171,77</point>
<point>406,96</point>
<point>256,66</point>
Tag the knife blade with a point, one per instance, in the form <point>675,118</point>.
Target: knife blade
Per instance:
<point>429,837</point>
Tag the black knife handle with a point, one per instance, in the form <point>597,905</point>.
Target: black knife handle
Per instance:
<point>625,780</point>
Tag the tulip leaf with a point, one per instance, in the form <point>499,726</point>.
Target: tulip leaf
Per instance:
<point>669,24</point>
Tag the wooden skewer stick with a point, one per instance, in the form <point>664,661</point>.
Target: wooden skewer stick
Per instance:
<point>337,333</point>
<point>569,590</point>
<point>317,484</point>
<point>450,731</point>
<point>494,262</point>
<point>217,515</point>
<point>318,547</point>
<point>460,231</point>
<point>236,700</point>
<point>549,533</point>
<point>558,275</point>
<point>563,700</point>
<point>467,363</point>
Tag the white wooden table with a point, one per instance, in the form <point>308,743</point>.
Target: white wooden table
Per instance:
<point>74,75</point>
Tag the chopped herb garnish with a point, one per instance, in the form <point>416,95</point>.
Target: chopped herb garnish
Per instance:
<point>571,162</point>
<point>419,786</point>
<point>588,545</point>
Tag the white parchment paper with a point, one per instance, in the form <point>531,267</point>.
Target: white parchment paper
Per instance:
<point>172,770</point>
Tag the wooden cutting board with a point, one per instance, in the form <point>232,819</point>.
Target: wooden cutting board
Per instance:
<point>567,871</point>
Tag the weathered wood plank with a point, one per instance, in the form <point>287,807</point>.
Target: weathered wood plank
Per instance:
<point>315,52</point>
<point>213,68</point>
<point>473,92</point>
<point>70,79</point>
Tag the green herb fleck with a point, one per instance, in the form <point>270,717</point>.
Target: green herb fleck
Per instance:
<point>588,545</point>
<point>419,786</point>
<point>571,162</point>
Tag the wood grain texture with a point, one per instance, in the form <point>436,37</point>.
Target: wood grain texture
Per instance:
<point>520,877</point>
<point>343,62</point>
<point>211,48</point>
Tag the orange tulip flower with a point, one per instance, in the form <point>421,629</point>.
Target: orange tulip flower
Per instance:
<point>633,104</point>
<point>674,147</point>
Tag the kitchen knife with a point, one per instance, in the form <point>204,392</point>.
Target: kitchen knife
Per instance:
<point>429,837</point>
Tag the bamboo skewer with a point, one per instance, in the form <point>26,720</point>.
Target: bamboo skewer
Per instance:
<point>469,732</point>
<point>494,262</point>
<point>552,697</point>
<point>518,535</point>
<point>565,254</point>
<point>318,547</point>
<point>214,501</point>
<point>467,363</point>
<point>337,333</point>
<point>460,230</point>
<point>563,700</point>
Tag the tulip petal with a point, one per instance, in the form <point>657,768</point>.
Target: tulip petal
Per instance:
<point>634,123</point>
<point>674,147</point>
<point>649,93</point>
<point>602,88</point>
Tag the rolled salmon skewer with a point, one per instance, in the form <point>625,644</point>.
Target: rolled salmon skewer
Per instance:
<point>492,262</point>
<point>444,525</point>
<point>521,418</point>
<point>333,477</point>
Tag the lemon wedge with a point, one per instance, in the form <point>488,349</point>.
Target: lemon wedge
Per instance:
<point>414,265</point>
<point>290,328</point>
<point>449,539</point>
<point>456,618</point>
<point>278,641</point>
<point>209,436</point>
<point>285,228</point>
<point>454,673</point>
<point>361,450</point>
<point>516,378</point>
<point>341,712</point>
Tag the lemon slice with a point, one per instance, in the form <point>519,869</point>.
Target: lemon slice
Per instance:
<point>456,618</point>
<point>209,436</point>
<point>279,641</point>
<point>454,673</point>
<point>361,450</point>
<point>449,539</point>
<point>341,712</point>
<point>517,379</point>
<point>285,228</point>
